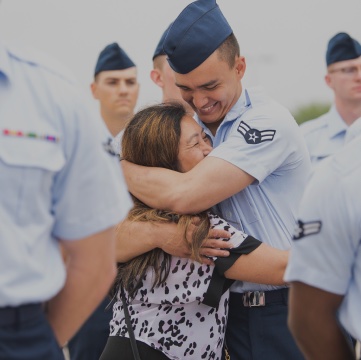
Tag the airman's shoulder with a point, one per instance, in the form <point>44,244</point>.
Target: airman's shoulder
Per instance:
<point>41,60</point>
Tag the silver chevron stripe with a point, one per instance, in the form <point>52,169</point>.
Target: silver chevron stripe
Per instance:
<point>305,229</point>
<point>311,228</point>
<point>243,127</point>
<point>267,135</point>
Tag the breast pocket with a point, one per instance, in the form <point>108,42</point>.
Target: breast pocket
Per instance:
<point>241,209</point>
<point>27,170</point>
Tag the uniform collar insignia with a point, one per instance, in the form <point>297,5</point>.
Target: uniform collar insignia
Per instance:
<point>108,147</point>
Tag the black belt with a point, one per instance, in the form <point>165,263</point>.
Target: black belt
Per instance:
<point>18,314</point>
<point>260,298</point>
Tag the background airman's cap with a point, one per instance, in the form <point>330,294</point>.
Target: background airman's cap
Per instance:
<point>159,49</point>
<point>113,57</point>
<point>194,35</point>
<point>342,47</point>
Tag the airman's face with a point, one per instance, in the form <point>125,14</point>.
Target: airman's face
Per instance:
<point>194,145</point>
<point>166,80</point>
<point>117,91</point>
<point>212,88</point>
<point>344,78</point>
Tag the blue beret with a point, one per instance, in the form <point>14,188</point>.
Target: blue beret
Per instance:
<point>113,57</point>
<point>342,47</point>
<point>159,49</point>
<point>194,35</point>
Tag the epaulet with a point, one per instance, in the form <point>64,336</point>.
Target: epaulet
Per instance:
<point>257,95</point>
<point>41,59</point>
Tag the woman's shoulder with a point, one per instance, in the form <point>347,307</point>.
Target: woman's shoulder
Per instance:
<point>219,223</point>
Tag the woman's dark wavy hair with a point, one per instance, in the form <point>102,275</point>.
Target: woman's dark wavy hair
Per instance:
<point>151,138</point>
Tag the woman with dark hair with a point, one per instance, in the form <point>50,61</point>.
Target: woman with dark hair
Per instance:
<point>178,306</point>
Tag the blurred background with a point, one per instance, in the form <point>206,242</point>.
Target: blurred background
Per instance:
<point>284,41</point>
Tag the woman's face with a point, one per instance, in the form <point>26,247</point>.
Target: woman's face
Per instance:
<point>194,145</point>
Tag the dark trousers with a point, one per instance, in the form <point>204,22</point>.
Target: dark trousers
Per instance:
<point>119,348</point>
<point>89,342</point>
<point>258,333</point>
<point>26,334</point>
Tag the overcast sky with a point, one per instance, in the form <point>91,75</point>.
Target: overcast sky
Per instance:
<point>284,41</point>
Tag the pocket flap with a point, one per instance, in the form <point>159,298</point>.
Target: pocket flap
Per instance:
<point>31,152</point>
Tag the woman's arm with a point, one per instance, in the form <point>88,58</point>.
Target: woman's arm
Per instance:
<point>250,259</point>
<point>264,265</point>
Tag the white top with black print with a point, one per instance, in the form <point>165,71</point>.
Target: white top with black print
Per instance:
<point>186,317</point>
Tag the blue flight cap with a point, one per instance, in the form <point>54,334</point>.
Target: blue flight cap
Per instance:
<point>194,35</point>
<point>342,47</point>
<point>113,57</point>
<point>159,49</point>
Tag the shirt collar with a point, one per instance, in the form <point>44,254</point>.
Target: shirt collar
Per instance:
<point>335,123</point>
<point>239,107</point>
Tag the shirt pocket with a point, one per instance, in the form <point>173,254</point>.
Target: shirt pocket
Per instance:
<point>27,170</point>
<point>241,209</point>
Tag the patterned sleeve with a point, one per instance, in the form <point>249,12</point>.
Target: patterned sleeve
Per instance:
<point>243,244</point>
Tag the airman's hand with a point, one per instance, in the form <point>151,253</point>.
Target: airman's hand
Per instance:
<point>213,245</point>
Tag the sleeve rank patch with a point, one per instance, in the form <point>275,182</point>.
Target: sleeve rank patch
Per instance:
<point>254,136</point>
<point>306,228</point>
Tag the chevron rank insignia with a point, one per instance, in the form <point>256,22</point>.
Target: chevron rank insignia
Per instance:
<point>306,228</point>
<point>254,136</point>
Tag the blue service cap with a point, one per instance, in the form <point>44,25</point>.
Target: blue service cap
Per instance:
<point>159,49</point>
<point>194,35</point>
<point>342,47</point>
<point>112,57</point>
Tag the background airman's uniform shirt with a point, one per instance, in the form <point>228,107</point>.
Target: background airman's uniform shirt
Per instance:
<point>56,178</point>
<point>326,253</point>
<point>324,135</point>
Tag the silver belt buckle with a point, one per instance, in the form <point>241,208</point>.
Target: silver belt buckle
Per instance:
<point>254,298</point>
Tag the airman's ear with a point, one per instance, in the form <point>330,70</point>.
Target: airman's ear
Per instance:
<point>328,80</point>
<point>93,88</point>
<point>240,66</point>
<point>157,77</point>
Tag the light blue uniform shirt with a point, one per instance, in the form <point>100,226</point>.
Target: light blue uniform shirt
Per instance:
<point>324,135</point>
<point>327,248</point>
<point>262,138</point>
<point>117,142</point>
<point>353,131</point>
<point>68,189</point>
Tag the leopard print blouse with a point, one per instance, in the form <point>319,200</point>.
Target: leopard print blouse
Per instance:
<point>186,317</point>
